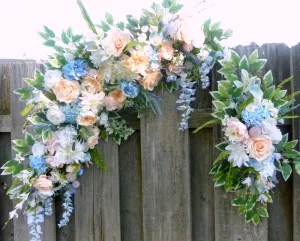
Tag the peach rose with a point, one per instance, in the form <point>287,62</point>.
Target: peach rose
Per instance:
<point>43,184</point>
<point>235,130</point>
<point>116,41</point>
<point>66,90</point>
<point>260,148</point>
<point>138,62</point>
<point>86,118</point>
<point>167,50</point>
<point>115,100</point>
<point>92,82</point>
<point>174,68</point>
<point>151,79</point>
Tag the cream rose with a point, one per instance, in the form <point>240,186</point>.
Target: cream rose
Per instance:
<point>55,115</point>
<point>66,90</point>
<point>151,80</point>
<point>167,50</point>
<point>86,118</point>
<point>260,148</point>
<point>43,184</point>
<point>235,130</point>
<point>116,41</point>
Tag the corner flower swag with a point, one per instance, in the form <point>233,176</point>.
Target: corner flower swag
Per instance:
<point>88,80</point>
<point>254,150</point>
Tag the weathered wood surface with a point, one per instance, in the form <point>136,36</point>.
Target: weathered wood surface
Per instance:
<point>295,69</point>
<point>131,197</point>
<point>97,202</point>
<point>203,218</point>
<point>17,72</point>
<point>5,154</point>
<point>166,175</point>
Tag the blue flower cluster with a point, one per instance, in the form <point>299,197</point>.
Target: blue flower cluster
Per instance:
<point>71,112</point>
<point>38,164</point>
<point>130,89</point>
<point>255,118</point>
<point>185,98</point>
<point>75,69</point>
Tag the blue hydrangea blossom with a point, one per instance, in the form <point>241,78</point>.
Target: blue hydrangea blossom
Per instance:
<point>71,112</point>
<point>129,89</point>
<point>255,118</point>
<point>75,69</point>
<point>38,164</point>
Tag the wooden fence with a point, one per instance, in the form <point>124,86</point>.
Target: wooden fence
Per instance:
<point>158,187</point>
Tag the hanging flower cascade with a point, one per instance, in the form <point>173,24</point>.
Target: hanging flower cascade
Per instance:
<point>254,151</point>
<point>88,80</point>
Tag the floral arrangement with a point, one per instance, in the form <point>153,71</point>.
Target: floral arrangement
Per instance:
<point>254,151</point>
<point>88,80</point>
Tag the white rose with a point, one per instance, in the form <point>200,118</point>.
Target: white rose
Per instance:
<point>38,149</point>
<point>55,115</point>
<point>52,77</point>
<point>103,119</point>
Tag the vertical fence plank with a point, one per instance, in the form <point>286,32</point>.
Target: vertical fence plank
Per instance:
<point>107,225</point>
<point>280,222</point>
<point>228,225</point>
<point>5,154</point>
<point>131,189</point>
<point>295,68</point>
<point>97,202</point>
<point>19,71</point>
<point>166,175</point>
<point>201,150</point>
<point>84,207</point>
<point>66,233</point>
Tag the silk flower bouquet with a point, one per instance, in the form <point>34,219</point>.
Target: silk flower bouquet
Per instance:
<point>254,150</point>
<point>89,79</point>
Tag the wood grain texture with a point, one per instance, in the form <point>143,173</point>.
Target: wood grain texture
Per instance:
<point>18,71</point>
<point>131,189</point>
<point>295,69</point>
<point>66,233</point>
<point>166,175</point>
<point>6,206</point>
<point>107,224</point>
<point>5,123</point>
<point>201,150</point>
<point>280,222</point>
<point>5,155</point>
<point>97,202</point>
